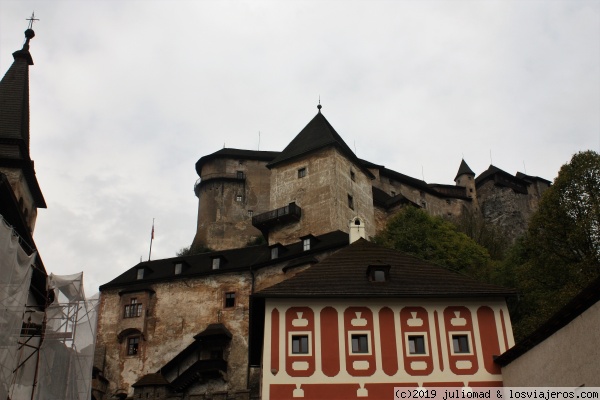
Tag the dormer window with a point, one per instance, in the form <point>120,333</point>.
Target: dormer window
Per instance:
<point>378,273</point>
<point>216,262</point>
<point>140,273</point>
<point>306,244</point>
<point>178,268</point>
<point>274,252</point>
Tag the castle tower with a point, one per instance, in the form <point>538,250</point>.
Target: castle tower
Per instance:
<point>234,186</point>
<point>317,185</point>
<point>15,161</point>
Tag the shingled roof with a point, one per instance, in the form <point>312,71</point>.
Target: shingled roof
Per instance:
<point>316,135</point>
<point>14,119</point>
<point>344,275</point>
<point>464,169</point>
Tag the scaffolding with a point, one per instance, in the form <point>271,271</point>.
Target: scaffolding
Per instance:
<point>66,355</point>
<point>46,350</point>
<point>15,280</point>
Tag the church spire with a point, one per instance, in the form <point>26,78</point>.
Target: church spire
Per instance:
<point>14,120</point>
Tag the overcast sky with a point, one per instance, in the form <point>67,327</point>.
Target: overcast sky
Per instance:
<point>127,95</point>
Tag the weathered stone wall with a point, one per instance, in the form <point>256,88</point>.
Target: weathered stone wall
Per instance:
<point>226,204</point>
<point>172,315</point>
<point>322,194</point>
<point>23,194</point>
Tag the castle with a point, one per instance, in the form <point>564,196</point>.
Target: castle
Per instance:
<point>317,308</point>
<point>317,184</point>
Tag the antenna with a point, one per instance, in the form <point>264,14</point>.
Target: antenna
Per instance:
<point>524,168</point>
<point>491,162</point>
<point>423,173</point>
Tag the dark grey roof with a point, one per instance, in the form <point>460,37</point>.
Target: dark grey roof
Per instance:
<point>464,169</point>
<point>316,135</point>
<point>236,153</point>
<point>344,275</point>
<point>14,121</point>
<point>580,303</point>
<point>234,260</point>
<point>152,380</point>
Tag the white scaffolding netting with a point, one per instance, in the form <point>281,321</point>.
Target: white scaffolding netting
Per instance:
<point>67,351</point>
<point>15,278</point>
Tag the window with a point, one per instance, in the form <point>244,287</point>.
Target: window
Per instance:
<point>133,309</point>
<point>360,343</point>
<point>274,253</point>
<point>352,175</point>
<point>416,344</point>
<point>133,344</point>
<point>178,268</point>
<point>238,197</point>
<point>229,299</point>
<point>378,275</point>
<point>460,343</point>
<point>306,244</point>
<point>351,202</point>
<point>240,174</point>
<point>393,193</point>
<point>250,213</point>
<point>216,262</point>
<point>299,344</point>
<point>301,172</point>
<point>140,273</point>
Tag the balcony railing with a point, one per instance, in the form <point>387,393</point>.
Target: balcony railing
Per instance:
<point>289,213</point>
<point>235,176</point>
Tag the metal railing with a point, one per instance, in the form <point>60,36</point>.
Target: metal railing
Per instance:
<point>284,214</point>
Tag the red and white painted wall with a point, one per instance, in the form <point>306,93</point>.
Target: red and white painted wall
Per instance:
<point>316,349</point>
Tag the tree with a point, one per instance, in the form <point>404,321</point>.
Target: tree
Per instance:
<point>560,253</point>
<point>432,238</point>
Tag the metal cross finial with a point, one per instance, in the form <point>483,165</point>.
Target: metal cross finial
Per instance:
<point>31,19</point>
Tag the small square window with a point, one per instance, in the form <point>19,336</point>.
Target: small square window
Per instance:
<point>178,268</point>
<point>140,273</point>
<point>416,344</point>
<point>301,172</point>
<point>378,275</point>
<point>250,213</point>
<point>352,175</point>
<point>306,244</point>
<point>360,344</point>
<point>238,197</point>
<point>229,299</point>
<point>351,202</point>
<point>133,344</point>
<point>240,174</point>
<point>299,344</point>
<point>216,263</point>
<point>460,343</point>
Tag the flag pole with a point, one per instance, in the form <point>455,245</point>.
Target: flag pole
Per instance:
<point>151,239</point>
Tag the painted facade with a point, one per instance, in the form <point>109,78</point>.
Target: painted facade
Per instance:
<point>408,343</point>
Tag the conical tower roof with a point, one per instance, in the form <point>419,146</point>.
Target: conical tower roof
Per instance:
<point>464,169</point>
<point>316,135</point>
<point>14,118</point>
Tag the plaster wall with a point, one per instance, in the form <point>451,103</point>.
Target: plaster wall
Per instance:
<point>568,358</point>
<point>388,362</point>
<point>172,315</point>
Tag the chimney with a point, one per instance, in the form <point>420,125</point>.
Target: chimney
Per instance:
<point>357,229</point>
